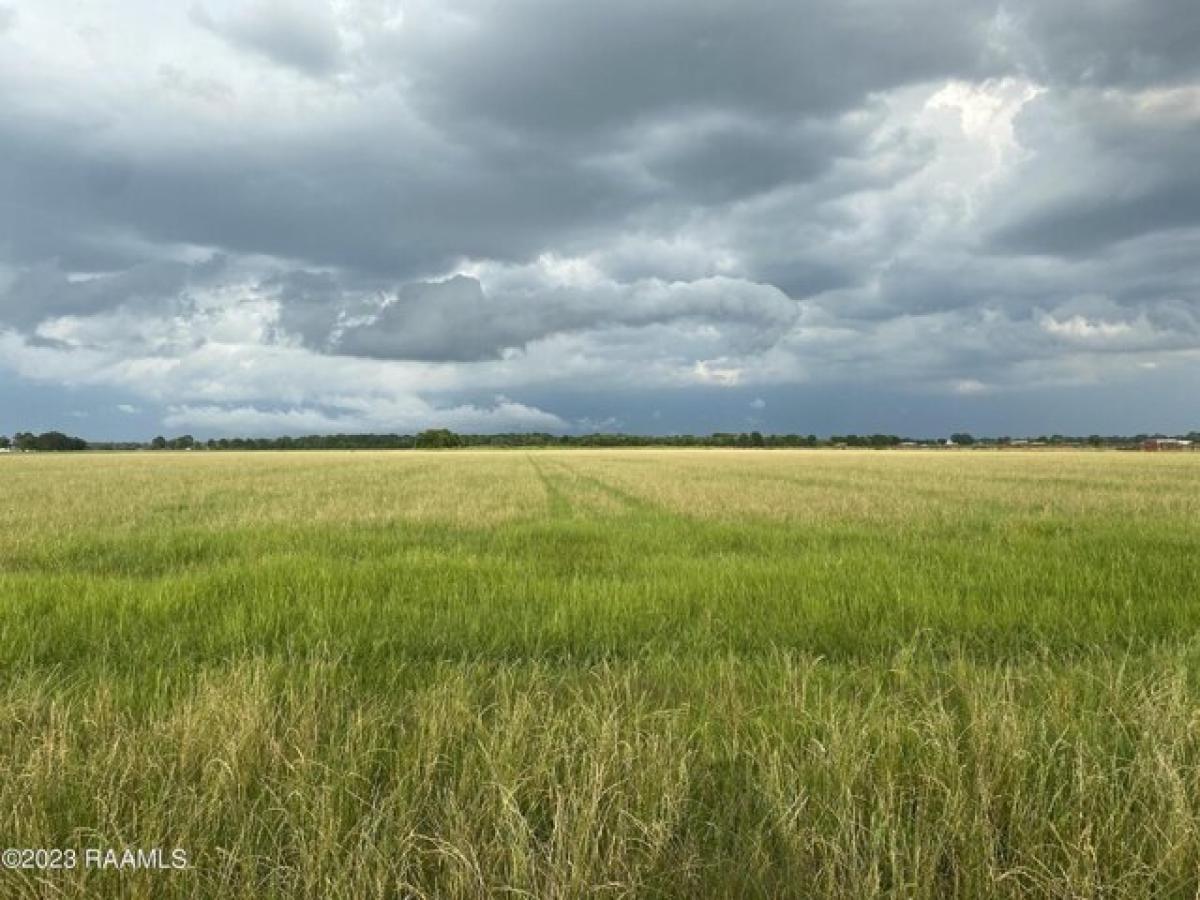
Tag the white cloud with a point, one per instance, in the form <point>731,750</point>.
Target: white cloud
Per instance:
<point>395,415</point>
<point>1082,329</point>
<point>716,372</point>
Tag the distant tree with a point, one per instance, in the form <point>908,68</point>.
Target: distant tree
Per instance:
<point>49,442</point>
<point>159,443</point>
<point>437,439</point>
<point>963,438</point>
<point>4,441</point>
<point>757,440</point>
<point>883,440</point>
<point>183,442</point>
<point>850,440</point>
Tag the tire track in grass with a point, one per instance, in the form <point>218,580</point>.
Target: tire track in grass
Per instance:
<point>631,502</point>
<point>559,507</point>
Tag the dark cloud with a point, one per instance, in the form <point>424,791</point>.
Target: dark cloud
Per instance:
<point>852,407</point>
<point>1124,168</point>
<point>301,35</point>
<point>365,199</point>
<point>311,304</point>
<point>584,68</point>
<point>1114,42</point>
<point>718,159</point>
<point>1090,224</point>
<point>45,291</point>
<point>426,321</point>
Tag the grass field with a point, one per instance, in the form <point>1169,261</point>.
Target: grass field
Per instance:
<point>604,673</point>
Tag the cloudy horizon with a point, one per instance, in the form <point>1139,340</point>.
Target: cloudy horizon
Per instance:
<point>912,216</point>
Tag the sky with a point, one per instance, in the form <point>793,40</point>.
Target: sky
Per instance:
<point>818,216</point>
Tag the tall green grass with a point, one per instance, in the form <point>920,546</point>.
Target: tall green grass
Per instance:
<point>637,673</point>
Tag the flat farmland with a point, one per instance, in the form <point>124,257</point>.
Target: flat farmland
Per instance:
<point>625,673</point>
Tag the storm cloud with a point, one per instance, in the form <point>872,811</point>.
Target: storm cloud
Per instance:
<point>281,216</point>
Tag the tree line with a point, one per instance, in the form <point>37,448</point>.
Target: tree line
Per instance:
<point>439,438</point>
<point>46,442</point>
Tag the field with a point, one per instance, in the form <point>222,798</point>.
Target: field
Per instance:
<point>604,673</point>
